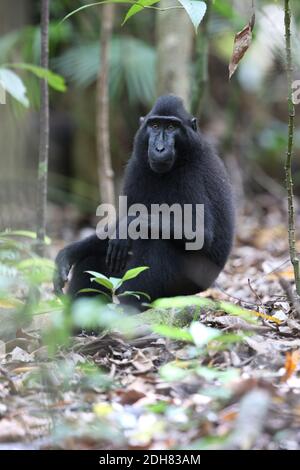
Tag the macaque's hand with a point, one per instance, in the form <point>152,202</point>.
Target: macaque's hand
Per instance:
<point>117,254</point>
<point>63,267</point>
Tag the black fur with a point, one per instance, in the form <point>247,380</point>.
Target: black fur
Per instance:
<point>197,176</point>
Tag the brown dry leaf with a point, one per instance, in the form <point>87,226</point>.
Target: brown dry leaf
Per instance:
<point>260,345</point>
<point>21,370</point>
<point>241,44</point>
<point>287,274</point>
<point>130,396</point>
<point>142,363</point>
<point>19,355</point>
<point>11,430</point>
<point>228,414</point>
<point>291,362</point>
<point>237,323</point>
<point>263,237</point>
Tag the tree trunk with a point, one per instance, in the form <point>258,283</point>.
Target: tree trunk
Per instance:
<point>105,171</point>
<point>44,134</point>
<point>174,32</point>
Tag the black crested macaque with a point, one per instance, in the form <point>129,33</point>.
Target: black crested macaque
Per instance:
<point>171,164</point>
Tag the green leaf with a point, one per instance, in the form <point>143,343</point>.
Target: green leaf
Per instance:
<point>37,270</point>
<point>103,282</point>
<point>101,279</point>
<point>81,64</point>
<point>54,81</point>
<point>171,372</point>
<point>182,302</point>
<point>136,294</point>
<point>132,273</point>
<point>202,334</point>
<point>137,8</point>
<point>95,291</point>
<point>173,332</point>
<point>210,373</point>
<point>14,86</point>
<point>23,233</point>
<point>116,282</point>
<point>195,10</point>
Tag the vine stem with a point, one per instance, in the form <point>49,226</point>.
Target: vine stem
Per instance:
<point>290,148</point>
<point>129,2</point>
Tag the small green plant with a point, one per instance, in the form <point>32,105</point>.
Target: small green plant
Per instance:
<point>113,284</point>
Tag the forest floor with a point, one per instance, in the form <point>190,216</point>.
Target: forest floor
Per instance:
<point>154,392</point>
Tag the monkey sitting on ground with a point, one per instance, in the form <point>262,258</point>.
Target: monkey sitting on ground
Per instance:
<point>171,164</point>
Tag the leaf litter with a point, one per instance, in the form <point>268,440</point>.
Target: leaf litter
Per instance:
<point>240,389</point>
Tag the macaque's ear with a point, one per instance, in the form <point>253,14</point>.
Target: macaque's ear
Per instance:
<point>142,119</point>
<point>194,123</point>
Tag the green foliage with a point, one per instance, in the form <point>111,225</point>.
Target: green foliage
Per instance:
<point>113,284</point>
<point>21,233</point>
<point>140,5</point>
<point>172,332</point>
<point>15,86</point>
<point>194,300</point>
<point>195,10</point>
<point>54,81</point>
<point>132,67</point>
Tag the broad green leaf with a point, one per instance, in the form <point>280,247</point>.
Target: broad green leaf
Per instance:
<point>37,270</point>
<point>137,294</point>
<point>132,273</point>
<point>8,303</point>
<point>95,291</point>
<point>103,282</point>
<point>116,282</point>
<point>202,334</point>
<point>171,372</point>
<point>42,263</point>
<point>23,233</point>
<point>132,294</point>
<point>227,307</point>
<point>137,8</point>
<point>182,302</point>
<point>96,274</point>
<point>14,86</point>
<point>54,81</point>
<point>101,279</point>
<point>195,10</point>
<point>49,306</point>
<point>86,312</point>
<point>211,373</point>
<point>173,332</point>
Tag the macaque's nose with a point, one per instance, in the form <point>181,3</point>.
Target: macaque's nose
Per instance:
<point>160,148</point>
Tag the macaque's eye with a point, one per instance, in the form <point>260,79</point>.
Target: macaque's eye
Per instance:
<point>171,127</point>
<point>154,126</point>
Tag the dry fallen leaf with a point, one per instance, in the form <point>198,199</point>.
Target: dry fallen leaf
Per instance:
<point>291,362</point>
<point>241,44</point>
<point>130,396</point>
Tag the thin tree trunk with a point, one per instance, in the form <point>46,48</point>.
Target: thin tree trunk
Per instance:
<point>44,134</point>
<point>202,51</point>
<point>290,149</point>
<point>174,43</point>
<point>105,171</point>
